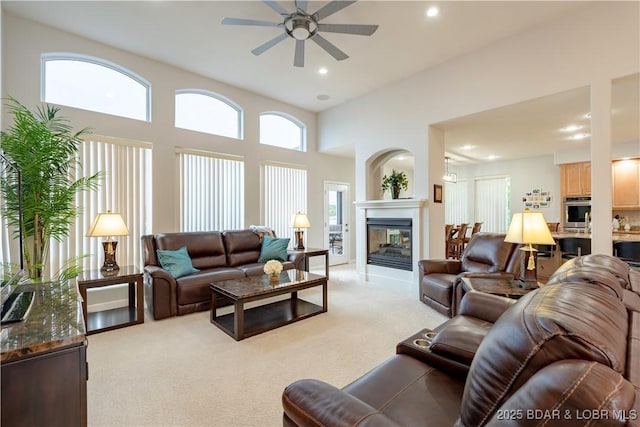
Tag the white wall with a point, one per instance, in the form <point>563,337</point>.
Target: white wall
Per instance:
<point>24,42</point>
<point>594,44</point>
<point>525,175</point>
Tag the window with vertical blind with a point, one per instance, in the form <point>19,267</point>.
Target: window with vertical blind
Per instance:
<point>211,191</point>
<point>456,202</point>
<point>492,195</point>
<point>125,188</point>
<point>284,194</point>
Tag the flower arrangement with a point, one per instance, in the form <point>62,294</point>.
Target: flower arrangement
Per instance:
<point>272,267</point>
<point>395,182</point>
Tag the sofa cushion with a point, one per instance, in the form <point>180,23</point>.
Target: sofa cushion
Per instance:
<point>177,263</point>
<point>195,288</point>
<point>555,322</point>
<point>242,247</point>
<point>205,247</point>
<point>273,248</point>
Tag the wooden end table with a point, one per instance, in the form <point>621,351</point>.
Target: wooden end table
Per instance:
<point>308,253</point>
<point>115,318</point>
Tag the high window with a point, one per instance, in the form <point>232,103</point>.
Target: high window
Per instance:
<point>282,130</point>
<point>208,112</point>
<point>96,85</point>
<point>284,194</point>
<point>125,189</point>
<point>211,191</point>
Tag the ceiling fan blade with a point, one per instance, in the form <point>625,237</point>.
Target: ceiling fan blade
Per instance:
<point>268,45</point>
<point>331,8</point>
<point>329,47</point>
<point>302,5</point>
<point>276,6</point>
<point>361,30</point>
<point>252,22</point>
<point>298,59</point>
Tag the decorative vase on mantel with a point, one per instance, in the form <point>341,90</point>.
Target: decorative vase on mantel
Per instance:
<point>395,192</point>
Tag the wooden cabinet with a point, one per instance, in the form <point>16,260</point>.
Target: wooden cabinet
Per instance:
<point>44,368</point>
<point>626,184</point>
<point>575,179</point>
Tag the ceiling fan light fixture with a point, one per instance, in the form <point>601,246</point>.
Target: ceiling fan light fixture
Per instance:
<point>300,27</point>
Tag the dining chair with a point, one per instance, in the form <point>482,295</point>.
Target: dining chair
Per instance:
<point>456,243</point>
<point>475,229</point>
<point>628,251</point>
<point>448,229</point>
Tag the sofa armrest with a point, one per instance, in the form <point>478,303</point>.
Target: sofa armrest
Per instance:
<point>485,275</point>
<point>316,403</point>
<point>484,306</point>
<point>160,292</point>
<point>443,266</point>
<point>298,259</point>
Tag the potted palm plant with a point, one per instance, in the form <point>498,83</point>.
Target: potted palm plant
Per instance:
<point>395,182</point>
<point>43,147</point>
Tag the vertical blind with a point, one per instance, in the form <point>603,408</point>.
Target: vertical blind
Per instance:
<point>125,189</point>
<point>492,203</point>
<point>211,192</point>
<point>284,193</point>
<point>456,202</point>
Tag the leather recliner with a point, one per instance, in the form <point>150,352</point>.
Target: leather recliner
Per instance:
<point>565,354</point>
<point>487,255</point>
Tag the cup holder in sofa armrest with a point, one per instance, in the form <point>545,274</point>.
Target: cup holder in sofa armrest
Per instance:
<point>418,347</point>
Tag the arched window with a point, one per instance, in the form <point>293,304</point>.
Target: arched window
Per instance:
<point>282,130</point>
<point>95,84</point>
<point>208,112</point>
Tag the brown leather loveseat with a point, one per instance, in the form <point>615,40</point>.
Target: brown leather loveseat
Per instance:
<point>219,255</point>
<point>487,255</point>
<point>567,354</point>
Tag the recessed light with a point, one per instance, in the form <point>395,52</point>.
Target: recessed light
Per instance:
<point>322,97</point>
<point>467,147</point>
<point>432,11</point>
<point>323,70</point>
<point>571,128</point>
<point>492,157</point>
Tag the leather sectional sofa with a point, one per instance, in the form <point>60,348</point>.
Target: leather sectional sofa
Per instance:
<point>567,354</point>
<point>219,255</point>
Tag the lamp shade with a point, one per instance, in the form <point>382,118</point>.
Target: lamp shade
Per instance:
<point>300,220</point>
<point>108,224</point>
<point>529,228</point>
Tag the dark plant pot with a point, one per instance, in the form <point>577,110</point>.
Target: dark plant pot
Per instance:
<point>395,192</point>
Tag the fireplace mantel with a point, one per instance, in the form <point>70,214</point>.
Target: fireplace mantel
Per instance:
<point>391,203</point>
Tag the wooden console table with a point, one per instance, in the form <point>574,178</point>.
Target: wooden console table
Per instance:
<point>44,361</point>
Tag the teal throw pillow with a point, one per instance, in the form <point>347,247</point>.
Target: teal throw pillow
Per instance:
<point>273,248</point>
<point>177,263</point>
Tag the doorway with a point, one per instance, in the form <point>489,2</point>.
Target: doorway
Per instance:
<point>336,221</point>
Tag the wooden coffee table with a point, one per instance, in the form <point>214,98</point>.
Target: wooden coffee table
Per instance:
<point>243,323</point>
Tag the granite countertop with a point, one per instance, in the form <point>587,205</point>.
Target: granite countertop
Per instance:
<point>55,321</point>
<point>631,236</point>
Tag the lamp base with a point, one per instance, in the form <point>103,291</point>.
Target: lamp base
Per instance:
<point>528,269</point>
<point>299,240</point>
<point>110,263</point>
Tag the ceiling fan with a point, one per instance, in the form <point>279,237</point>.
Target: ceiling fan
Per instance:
<point>302,26</point>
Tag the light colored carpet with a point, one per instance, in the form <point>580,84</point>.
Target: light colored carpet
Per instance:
<point>184,371</point>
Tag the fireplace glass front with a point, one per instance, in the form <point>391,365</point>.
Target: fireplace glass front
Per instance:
<point>389,242</point>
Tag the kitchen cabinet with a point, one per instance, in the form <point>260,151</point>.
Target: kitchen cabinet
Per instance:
<point>575,179</point>
<point>626,184</point>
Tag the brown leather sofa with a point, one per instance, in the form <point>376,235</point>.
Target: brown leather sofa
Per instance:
<point>486,255</point>
<point>219,255</point>
<point>567,354</point>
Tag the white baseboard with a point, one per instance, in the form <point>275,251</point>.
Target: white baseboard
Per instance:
<point>108,305</point>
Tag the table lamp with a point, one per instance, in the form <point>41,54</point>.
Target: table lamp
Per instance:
<point>529,228</point>
<point>108,225</point>
<point>299,222</point>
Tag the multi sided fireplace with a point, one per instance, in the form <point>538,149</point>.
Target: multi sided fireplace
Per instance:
<point>389,243</point>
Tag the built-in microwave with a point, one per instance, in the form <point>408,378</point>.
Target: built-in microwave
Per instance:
<point>577,212</point>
